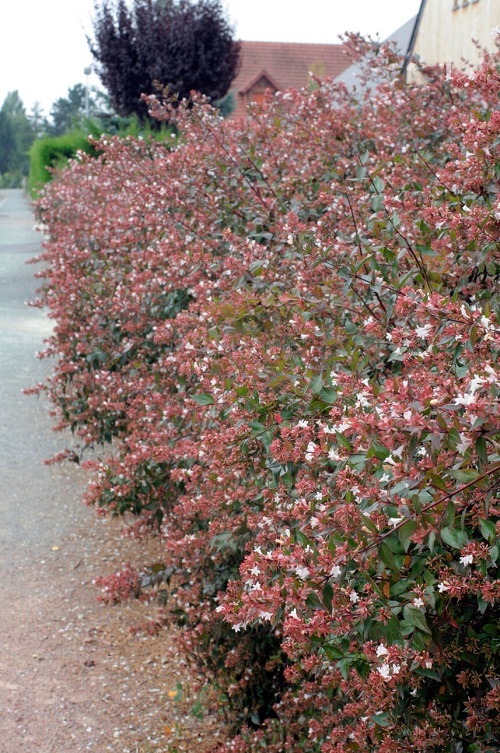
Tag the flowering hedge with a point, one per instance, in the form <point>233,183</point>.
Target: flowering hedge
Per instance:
<point>289,330</point>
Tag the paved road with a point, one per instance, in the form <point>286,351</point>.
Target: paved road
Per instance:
<point>31,493</point>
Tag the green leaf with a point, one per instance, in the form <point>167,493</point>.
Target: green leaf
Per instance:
<point>423,672</point>
<point>328,395</point>
<point>416,618</point>
<point>317,384</point>
<point>492,629</point>
<point>378,450</point>
<point>341,439</point>
<point>387,557</point>
<point>328,596</point>
<point>266,438</point>
<point>256,427</point>
<point>431,541</point>
<point>392,631</point>
<point>482,450</point>
<point>344,667</point>
<point>313,601</point>
<point>488,530</point>
<point>482,605</point>
<point>204,399</point>
<point>302,539</point>
<point>332,652</point>
<point>381,719</point>
<point>437,481</point>
<point>465,476</point>
<point>454,538</point>
<point>449,515</point>
<point>405,533</point>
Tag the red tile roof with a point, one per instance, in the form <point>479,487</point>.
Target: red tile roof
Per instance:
<point>285,65</point>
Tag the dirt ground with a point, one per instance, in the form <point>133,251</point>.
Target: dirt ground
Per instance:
<point>73,677</point>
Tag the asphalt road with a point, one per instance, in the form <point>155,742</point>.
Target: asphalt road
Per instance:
<point>33,496</point>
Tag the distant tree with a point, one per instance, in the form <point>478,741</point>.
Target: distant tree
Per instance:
<point>67,112</point>
<point>7,142</point>
<point>38,120</point>
<point>16,137</point>
<point>181,44</point>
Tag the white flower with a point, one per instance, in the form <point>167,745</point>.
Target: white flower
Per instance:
<point>362,401</point>
<point>396,669</point>
<point>333,454</point>
<point>382,650</point>
<point>475,383</point>
<point>418,602</point>
<point>464,444</point>
<point>342,427</point>
<point>302,572</point>
<point>311,447</point>
<point>385,671</point>
<point>303,424</point>
<point>266,615</point>
<point>465,399</point>
<point>385,478</point>
<point>294,614</point>
<point>394,521</point>
<point>485,322</point>
<point>467,559</point>
<point>442,587</point>
<point>423,331</point>
<point>255,570</point>
<point>318,496</point>
<point>335,571</point>
<point>353,597</point>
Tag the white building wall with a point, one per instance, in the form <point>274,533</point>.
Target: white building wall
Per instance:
<point>448,27</point>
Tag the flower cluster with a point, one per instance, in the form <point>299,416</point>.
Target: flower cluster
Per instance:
<point>289,329</point>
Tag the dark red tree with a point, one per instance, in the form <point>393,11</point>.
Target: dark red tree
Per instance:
<point>183,45</point>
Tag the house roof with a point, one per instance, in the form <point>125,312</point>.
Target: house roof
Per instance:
<point>285,65</point>
<point>411,44</point>
<point>402,38</point>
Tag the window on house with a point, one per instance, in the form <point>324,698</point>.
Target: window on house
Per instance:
<point>257,97</point>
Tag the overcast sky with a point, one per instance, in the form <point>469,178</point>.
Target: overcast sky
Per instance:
<point>44,51</point>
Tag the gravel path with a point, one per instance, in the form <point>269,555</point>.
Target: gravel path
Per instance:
<point>73,677</point>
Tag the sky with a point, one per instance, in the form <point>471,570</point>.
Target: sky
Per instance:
<point>44,50</point>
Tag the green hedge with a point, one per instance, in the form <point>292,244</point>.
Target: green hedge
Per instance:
<point>52,152</point>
